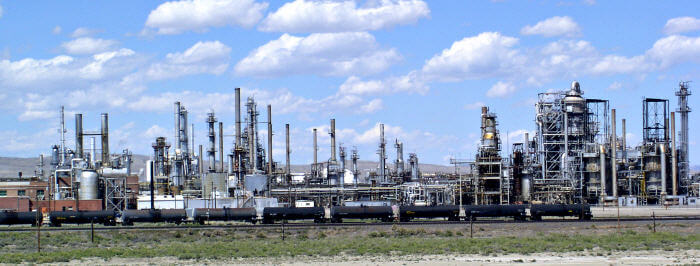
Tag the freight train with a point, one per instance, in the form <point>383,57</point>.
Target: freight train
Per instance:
<point>335,214</point>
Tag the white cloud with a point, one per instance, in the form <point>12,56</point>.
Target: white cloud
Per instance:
<point>554,26</point>
<point>82,32</point>
<point>330,54</point>
<point>344,16</point>
<point>87,45</point>
<point>372,106</point>
<point>485,55</point>
<point>474,106</point>
<point>202,57</point>
<point>410,83</point>
<point>56,30</point>
<point>199,15</point>
<point>681,25</point>
<point>675,49</point>
<point>501,89</point>
<point>614,86</point>
<point>155,131</point>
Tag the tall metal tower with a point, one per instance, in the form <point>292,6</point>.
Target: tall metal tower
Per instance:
<point>683,109</point>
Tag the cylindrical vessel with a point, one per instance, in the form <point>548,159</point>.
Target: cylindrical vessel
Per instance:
<point>88,185</point>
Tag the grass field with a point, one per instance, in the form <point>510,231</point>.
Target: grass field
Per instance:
<point>215,244</point>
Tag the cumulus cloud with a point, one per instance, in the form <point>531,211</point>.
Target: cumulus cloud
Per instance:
<point>82,31</point>
<point>199,15</point>
<point>501,89</point>
<point>675,49</point>
<point>203,57</point>
<point>681,25</point>
<point>485,55</point>
<point>492,54</point>
<point>410,83</point>
<point>87,45</point>
<point>554,26</point>
<point>474,106</point>
<point>329,54</point>
<point>372,106</point>
<point>343,16</point>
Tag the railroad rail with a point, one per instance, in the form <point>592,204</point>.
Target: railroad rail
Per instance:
<point>299,225</point>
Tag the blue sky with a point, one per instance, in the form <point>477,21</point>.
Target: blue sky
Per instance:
<point>421,67</point>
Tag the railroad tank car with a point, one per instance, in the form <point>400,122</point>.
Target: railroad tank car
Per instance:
<point>451,212</point>
<point>12,218</point>
<point>583,211</point>
<point>226,214</point>
<point>518,212</point>
<point>272,214</point>
<point>383,213</point>
<point>58,218</point>
<point>177,216</point>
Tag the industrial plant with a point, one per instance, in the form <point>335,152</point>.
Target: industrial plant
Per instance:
<point>578,156</point>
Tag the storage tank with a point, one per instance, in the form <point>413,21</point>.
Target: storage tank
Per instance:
<point>88,185</point>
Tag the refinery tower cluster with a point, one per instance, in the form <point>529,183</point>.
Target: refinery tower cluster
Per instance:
<point>578,154</point>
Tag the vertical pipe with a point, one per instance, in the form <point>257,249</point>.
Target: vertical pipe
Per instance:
<point>613,154</point>
<point>201,162</point>
<point>105,140</point>
<point>314,168</point>
<point>152,183</point>
<point>269,140</point>
<point>238,117</point>
<point>79,135</point>
<point>63,137</point>
<point>674,156</point>
<point>662,147</point>
<point>624,138</point>
<point>332,133</point>
<point>238,144</point>
<point>287,171</point>
<point>527,142</point>
<point>382,154</point>
<point>211,153</point>
<point>177,125</point>
<point>602,172</point>
<point>92,151</point>
<point>221,146</point>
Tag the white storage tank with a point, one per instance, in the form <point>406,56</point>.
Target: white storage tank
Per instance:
<point>88,185</point>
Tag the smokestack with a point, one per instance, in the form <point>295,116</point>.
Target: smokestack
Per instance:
<point>332,133</point>
<point>382,154</point>
<point>662,147</point>
<point>238,118</point>
<point>624,138</point>
<point>613,155</point>
<point>527,142</point>
<point>674,156</point>
<point>79,135</point>
<point>211,153</point>
<point>105,140</point>
<point>602,172</point>
<point>269,139</point>
<point>221,146</point>
<point>201,162</point>
<point>288,169</point>
<point>177,125</point>
<point>315,166</point>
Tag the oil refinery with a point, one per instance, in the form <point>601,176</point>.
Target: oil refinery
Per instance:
<point>577,157</point>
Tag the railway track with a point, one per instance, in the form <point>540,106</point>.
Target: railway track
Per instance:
<point>329,225</point>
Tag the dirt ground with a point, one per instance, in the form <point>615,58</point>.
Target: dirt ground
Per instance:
<point>617,258</point>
